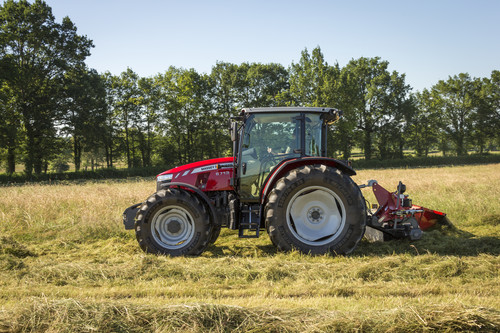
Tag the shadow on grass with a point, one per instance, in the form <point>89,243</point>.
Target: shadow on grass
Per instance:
<point>445,241</point>
<point>236,250</point>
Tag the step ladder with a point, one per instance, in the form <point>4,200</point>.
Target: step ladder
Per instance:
<point>249,223</point>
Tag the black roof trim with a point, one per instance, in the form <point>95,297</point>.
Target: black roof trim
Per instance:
<point>288,109</point>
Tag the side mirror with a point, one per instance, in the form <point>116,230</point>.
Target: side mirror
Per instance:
<point>332,117</point>
<point>234,131</point>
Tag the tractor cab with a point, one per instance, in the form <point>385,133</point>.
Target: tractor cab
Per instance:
<point>270,136</point>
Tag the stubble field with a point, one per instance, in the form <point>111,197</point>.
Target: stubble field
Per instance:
<point>67,265</point>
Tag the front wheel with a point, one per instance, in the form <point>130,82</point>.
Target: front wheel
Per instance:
<point>317,210</point>
<point>173,222</point>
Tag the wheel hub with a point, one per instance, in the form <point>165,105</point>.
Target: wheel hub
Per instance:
<point>315,215</point>
<point>174,227</point>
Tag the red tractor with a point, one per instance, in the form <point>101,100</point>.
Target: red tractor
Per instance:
<point>279,179</point>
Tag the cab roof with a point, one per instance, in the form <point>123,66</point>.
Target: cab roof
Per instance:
<point>288,109</point>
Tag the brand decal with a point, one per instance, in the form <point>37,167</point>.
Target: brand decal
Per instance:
<point>205,168</point>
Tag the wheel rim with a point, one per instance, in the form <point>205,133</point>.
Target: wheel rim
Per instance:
<point>172,227</point>
<point>316,215</point>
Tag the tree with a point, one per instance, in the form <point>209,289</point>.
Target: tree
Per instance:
<point>376,97</point>
<point>458,107</point>
<point>186,108</point>
<point>424,126</point>
<point>337,94</point>
<point>307,79</point>
<point>149,103</point>
<point>127,105</point>
<point>10,126</point>
<point>486,119</point>
<point>110,126</point>
<point>39,52</point>
<point>398,110</point>
<point>84,110</point>
<point>224,80</point>
<point>494,93</point>
<point>265,83</point>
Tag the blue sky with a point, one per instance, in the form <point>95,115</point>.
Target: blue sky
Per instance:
<point>426,40</point>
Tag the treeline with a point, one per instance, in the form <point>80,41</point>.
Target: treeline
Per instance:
<point>55,110</point>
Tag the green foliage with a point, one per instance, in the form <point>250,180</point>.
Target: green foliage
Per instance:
<point>84,113</point>
<point>415,162</point>
<point>455,98</point>
<point>105,173</point>
<point>48,95</point>
<point>37,52</point>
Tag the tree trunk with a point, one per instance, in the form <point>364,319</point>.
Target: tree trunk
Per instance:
<point>367,144</point>
<point>460,146</point>
<point>28,162</point>
<point>77,153</point>
<point>127,147</point>
<point>11,160</point>
<point>401,146</point>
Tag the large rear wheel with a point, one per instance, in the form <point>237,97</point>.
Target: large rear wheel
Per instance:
<point>317,210</point>
<point>173,222</point>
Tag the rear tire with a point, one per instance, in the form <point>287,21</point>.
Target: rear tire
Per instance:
<point>215,234</point>
<point>317,210</point>
<point>173,222</point>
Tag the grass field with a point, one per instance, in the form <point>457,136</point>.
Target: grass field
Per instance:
<point>67,265</point>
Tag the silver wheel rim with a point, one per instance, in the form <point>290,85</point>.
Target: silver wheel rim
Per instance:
<point>316,215</point>
<point>172,227</point>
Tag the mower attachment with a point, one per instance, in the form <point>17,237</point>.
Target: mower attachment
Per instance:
<point>397,217</point>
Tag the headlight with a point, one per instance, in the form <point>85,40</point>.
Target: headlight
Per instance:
<point>162,178</point>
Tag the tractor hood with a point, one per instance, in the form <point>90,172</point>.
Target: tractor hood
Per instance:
<point>205,165</point>
<point>208,175</point>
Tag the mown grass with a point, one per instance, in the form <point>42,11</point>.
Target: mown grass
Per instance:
<point>67,265</point>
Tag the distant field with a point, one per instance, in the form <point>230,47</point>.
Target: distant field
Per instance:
<point>67,265</point>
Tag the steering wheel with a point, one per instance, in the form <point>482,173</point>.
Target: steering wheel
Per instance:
<point>268,157</point>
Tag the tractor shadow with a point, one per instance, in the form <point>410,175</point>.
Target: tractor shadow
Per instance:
<point>444,241</point>
<point>219,251</point>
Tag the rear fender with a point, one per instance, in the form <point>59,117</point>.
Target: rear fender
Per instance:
<point>281,169</point>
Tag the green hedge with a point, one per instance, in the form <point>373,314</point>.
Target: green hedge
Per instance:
<point>432,161</point>
<point>95,175</point>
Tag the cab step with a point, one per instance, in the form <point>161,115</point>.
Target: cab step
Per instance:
<point>250,223</point>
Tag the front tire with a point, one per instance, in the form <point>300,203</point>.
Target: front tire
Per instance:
<point>173,222</point>
<point>316,209</point>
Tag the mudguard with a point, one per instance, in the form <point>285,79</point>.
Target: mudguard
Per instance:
<point>291,164</point>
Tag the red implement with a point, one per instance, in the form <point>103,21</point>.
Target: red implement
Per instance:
<point>398,217</point>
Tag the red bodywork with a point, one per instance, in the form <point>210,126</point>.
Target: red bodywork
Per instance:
<point>208,175</point>
<point>391,209</point>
